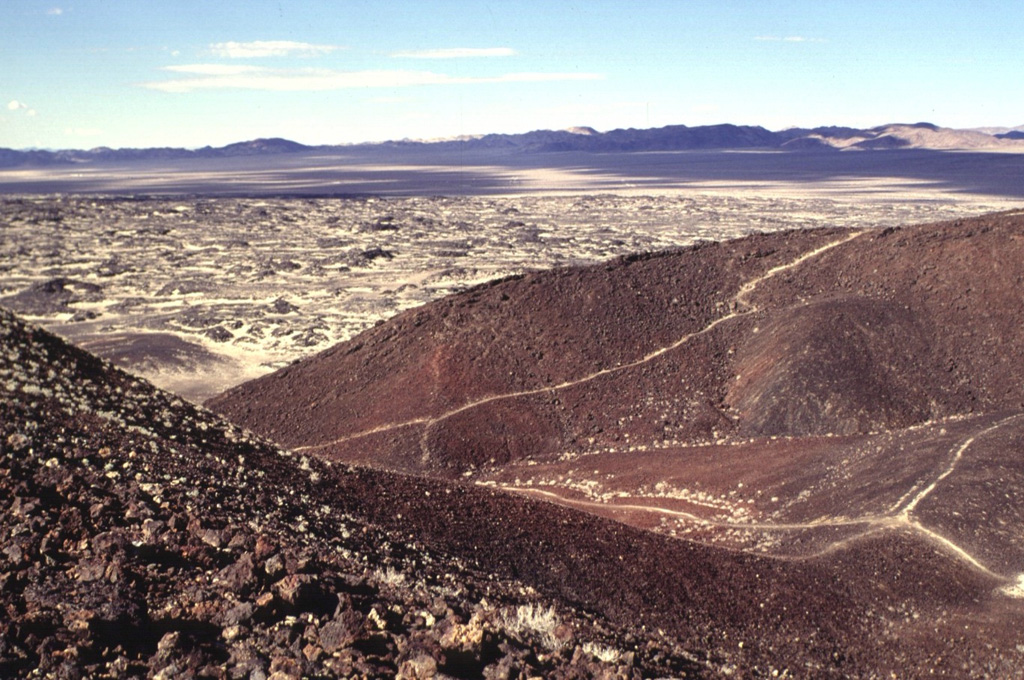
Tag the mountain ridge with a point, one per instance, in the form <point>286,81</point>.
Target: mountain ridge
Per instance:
<point>581,139</point>
<point>580,348</point>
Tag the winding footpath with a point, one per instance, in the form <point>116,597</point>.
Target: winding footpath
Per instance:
<point>740,307</point>
<point>899,517</point>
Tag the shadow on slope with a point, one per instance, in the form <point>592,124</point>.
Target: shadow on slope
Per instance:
<point>836,366</point>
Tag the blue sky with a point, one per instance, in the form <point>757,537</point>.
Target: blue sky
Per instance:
<point>85,73</point>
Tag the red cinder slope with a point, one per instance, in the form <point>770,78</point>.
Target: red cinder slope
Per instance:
<point>140,536</point>
<point>813,332</point>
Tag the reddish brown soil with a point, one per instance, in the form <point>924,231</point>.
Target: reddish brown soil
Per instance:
<point>141,535</point>
<point>883,331</point>
<point>847,404</point>
<point>231,522</point>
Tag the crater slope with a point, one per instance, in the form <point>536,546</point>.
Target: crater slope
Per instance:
<point>813,332</point>
<point>821,397</point>
<point>141,536</point>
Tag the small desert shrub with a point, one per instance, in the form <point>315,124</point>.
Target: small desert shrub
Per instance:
<point>535,621</point>
<point>390,576</point>
<point>601,652</point>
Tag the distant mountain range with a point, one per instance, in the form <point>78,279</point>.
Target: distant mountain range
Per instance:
<point>11,157</point>
<point>585,139</point>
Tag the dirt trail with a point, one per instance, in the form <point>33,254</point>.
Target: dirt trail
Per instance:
<point>761,526</point>
<point>909,507</point>
<point>899,516</point>
<point>741,307</point>
<point>872,524</point>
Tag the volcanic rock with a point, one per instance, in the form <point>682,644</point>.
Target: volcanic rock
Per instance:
<point>870,538</point>
<point>799,333</point>
<point>844,409</point>
<point>127,537</point>
<point>54,295</point>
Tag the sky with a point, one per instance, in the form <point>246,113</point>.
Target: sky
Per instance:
<point>185,73</point>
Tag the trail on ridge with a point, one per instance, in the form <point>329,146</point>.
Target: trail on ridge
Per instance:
<point>741,307</point>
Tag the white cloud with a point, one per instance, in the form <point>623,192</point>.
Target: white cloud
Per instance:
<point>389,100</point>
<point>222,77</point>
<point>456,53</point>
<point>537,77</point>
<point>269,48</point>
<point>15,105</point>
<point>55,11</point>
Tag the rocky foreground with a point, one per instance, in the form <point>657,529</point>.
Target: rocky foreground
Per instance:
<point>143,537</point>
